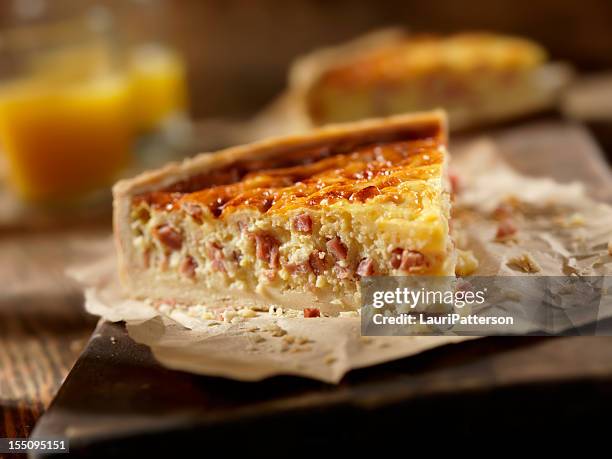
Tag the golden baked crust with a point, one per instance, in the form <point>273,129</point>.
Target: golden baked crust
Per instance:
<point>370,172</point>
<point>294,221</point>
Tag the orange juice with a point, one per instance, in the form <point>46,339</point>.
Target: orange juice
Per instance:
<point>158,85</point>
<point>64,138</point>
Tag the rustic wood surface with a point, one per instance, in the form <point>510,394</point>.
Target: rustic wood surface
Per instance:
<point>43,327</point>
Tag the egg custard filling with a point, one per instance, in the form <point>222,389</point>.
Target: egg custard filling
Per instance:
<point>298,227</point>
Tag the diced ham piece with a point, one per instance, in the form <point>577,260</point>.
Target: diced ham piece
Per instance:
<point>503,211</point>
<point>412,260</point>
<point>188,267</point>
<point>407,260</point>
<point>317,262</point>
<point>506,229</point>
<point>507,208</point>
<point>303,224</point>
<point>337,248</point>
<point>301,268</point>
<point>170,237</point>
<point>266,248</point>
<point>366,267</point>
<point>194,211</point>
<point>214,251</point>
<point>396,258</point>
<point>236,256</point>
<point>312,312</point>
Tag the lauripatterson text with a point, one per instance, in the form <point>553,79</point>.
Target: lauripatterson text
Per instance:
<point>440,319</point>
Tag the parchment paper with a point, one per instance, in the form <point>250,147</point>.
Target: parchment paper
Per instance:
<point>561,229</point>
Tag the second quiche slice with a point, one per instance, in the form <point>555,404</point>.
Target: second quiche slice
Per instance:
<point>477,77</point>
<point>292,222</point>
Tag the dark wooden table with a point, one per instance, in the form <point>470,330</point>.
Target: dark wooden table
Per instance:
<point>43,327</point>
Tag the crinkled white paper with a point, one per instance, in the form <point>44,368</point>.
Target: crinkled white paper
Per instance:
<point>566,231</point>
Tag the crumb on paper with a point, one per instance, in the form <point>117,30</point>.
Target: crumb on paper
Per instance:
<point>201,311</point>
<point>289,339</point>
<point>292,313</point>
<point>330,359</point>
<point>252,329</point>
<point>349,314</point>
<point>275,330</point>
<point>296,349</point>
<point>572,221</point>
<point>467,263</point>
<point>576,219</point>
<point>277,311</point>
<point>229,315</point>
<point>278,333</point>
<point>503,211</point>
<point>302,340</point>
<point>509,207</point>
<point>258,338</point>
<point>525,262</point>
<point>506,230</point>
<point>213,324</point>
<point>247,313</point>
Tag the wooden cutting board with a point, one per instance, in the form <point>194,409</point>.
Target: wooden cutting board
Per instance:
<point>117,398</point>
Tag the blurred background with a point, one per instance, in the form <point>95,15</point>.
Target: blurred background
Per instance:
<point>237,52</point>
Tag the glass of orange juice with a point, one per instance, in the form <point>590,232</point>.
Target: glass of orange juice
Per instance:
<point>65,123</point>
<point>159,88</point>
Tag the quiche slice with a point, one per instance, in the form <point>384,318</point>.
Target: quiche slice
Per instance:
<point>293,222</point>
<point>476,77</point>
